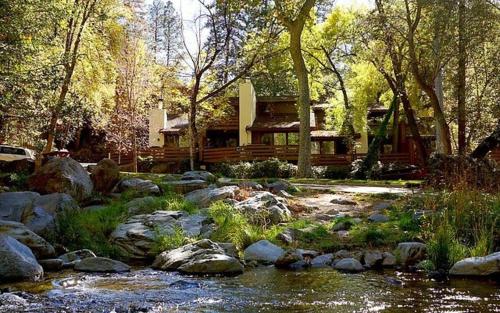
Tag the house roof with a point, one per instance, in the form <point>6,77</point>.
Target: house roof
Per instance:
<point>175,124</point>
<point>326,135</point>
<point>279,122</point>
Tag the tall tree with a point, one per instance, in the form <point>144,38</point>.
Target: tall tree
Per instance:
<point>293,16</point>
<point>461,77</point>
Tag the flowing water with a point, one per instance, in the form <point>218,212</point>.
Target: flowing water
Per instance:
<point>257,290</point>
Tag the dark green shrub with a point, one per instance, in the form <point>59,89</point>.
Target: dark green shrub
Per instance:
<point>336,172</point>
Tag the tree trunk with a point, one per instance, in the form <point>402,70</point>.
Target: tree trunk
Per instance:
<point>304,103</point>
<point>461,79</point>
<point>193,132</point>
<point>489,143</point>
<point>395,128</point>
<point>412,123</point>
<point>372,155</point>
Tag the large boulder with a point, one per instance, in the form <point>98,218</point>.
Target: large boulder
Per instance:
<point>348,265</point>
<point>140,186</point>
<point>77,255</point>
<point>477,266</point>
<point>199,175</point>
<point>105,175</point>
<point>62,175</point>
<point>13,205</point>
<point>265,204</point>
<point>263,251</point>
<point>185,186</point>
<point>41,248</point>
<point>410,253</point>
<point>372,259</point>
<point>101,265</point>
<point>201,257</point>
<point>137,236</point>
<point>135,206</point>
<point>17,262</point>
<point>280,185</point>
<point>204,197</point>
<point>323,260</point>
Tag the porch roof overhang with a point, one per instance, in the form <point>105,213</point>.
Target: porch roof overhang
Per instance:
<point>329,135</point>
<point>175,125</point>
<point>286,123</point>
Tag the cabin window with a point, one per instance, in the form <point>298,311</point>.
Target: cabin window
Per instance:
<point>267,139</point>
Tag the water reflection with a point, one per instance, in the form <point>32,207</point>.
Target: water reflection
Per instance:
<point>261,290</point>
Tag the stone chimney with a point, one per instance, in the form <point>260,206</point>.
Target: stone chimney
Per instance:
<point>247,108</point>
<point>157,121</point>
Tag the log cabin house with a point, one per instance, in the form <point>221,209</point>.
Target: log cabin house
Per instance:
<point>263,127</point>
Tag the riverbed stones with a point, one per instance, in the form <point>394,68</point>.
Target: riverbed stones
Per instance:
<point>101,265</point>
<point>39,246</point>
<point>77,255</point>
<point>17,262</point>
<point>378,218</point>
<point>199,175</point>
<point>263,251</point>
<point>323,260</point>
<point>201,257</point>
<point>136,237</point>
<point>51,265</point>
<point>477,266</point>
<point>204,197</point>
<point>265,204</point>
<point>139,186</point>
<point>186,186</point>
<point>105,175</point>
<point>348,265</point>
<point>63,175</point>
<point>410,253</point>
<point>288,258</point>
<point>372,259</point>
<point>389,259</point>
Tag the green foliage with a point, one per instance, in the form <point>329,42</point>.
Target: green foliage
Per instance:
<point>168,241</point>
<point>444,249</point>
<point>271,168</point>
<point>375,235</point>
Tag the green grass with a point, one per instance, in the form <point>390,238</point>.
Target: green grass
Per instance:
<point>86,229</point>
<point>164,241</point>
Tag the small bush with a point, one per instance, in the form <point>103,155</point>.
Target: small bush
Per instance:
<point>271,168</point>
<point>165,242</point>
<point>444,249</point>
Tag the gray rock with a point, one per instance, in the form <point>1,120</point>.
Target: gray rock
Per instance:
<point>51,265</point>
<point>63,175</point>
<point>348,265</point>
<point>204,197</point>
<point>186,186</point>
<point>140,186</point>
<point>259,203</point>
<point>378,218</point>
<point>40,247</point>
<point>40,222</point>
<point>281,185</point>
<point>13,205</point>
<point>285,194</point>
<point>201,257</point>
<point>137,236</point>
<point>344,225</point>
<point>10,302</point>
<point>477,266</point>
<point>410,253</point>
<point>199,175</point>
<point>343,201</point>
<point>101,265</point>
<point>135,206</point>
<point>288,258</point>
<point>389,259</point>
<point>381,206</point>
<point>263,251</point>
<point>372,259</point>
<point>77,255</point>
<point>41,218</point>
<point>323,260</point>
<point>250,185</point>
<point>105,175</point>
<point>17,262</point>
<point>341,254</point>
<point>343,233</point>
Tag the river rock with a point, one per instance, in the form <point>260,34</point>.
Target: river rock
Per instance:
<point>341,254</point>
<point>10,302</point>
<point>63,175</point>
<point>137,235</point>
<point>389,259</point>
<point>263,251</point>
<point>477,266</point>
<point>13,205</point>
<point>39,246</point>
<point>139,186</point>
<point>77,255</point>
<point>410,253</point>
<point>201,257</point>
<point>17,262</point>
<point>186,186</point>
<point>199,175</point>
<point>378,218</point>
<point>372,259</point>
<point>250,185</point>
<point>105,175</point>
<point>135,206</point>
<point>343,201</point>
<point>204,197</point>
<point>323,260</point>
<point>42,217</point>
<point>288,258</point>
<point>51,265</point>
<point>274,207</point>
<point>281,185</point>
<point>348,265</point>
<point>101,265</point>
